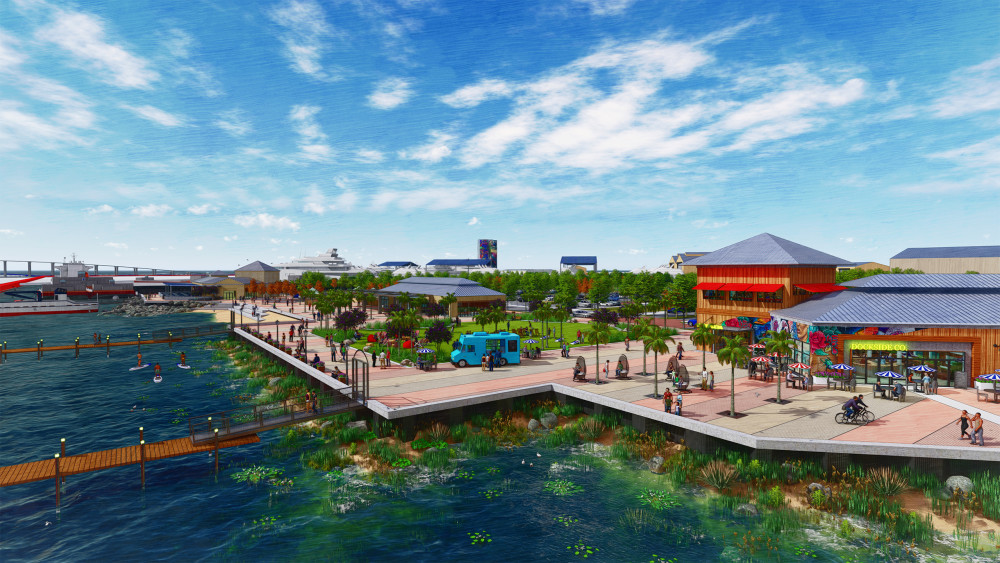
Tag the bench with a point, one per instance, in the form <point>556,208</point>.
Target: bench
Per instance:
<point>580,369</point>
<point>985,393</point>
<point>623,372</point>
<point>901,397</point>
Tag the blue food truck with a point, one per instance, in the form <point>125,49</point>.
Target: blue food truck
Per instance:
<point>470,348</point>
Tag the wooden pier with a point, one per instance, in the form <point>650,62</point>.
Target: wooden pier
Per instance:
<point>106,459</point>
<point>158,337</point>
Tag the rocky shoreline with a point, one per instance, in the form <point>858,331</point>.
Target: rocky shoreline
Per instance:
<point>138,308</point>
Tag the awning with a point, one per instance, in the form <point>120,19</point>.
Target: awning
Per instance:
<point>736,287</point>
<point>820,287</point>
<point>708,285</point>
<point>766,287</point>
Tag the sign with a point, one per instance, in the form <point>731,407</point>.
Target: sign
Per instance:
<point>738,323</point>
<point>715,327</point>
<point>889,345</point>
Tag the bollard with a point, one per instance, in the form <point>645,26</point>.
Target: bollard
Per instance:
<point>142,462</point>
<point>62,451</point>
<point>138,342</point>
<point>109,345</point>
<point>57,479</point>
<point>77,346</point>
<point>217,450</point>
<point>38,346</point>
<point>170,339</point>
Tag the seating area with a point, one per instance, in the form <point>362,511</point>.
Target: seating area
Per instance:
<point>988,394</point>
<point>622,369</point>
<point>580,369</point>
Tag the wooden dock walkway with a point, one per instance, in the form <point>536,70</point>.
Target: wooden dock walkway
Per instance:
<point>106,459</point>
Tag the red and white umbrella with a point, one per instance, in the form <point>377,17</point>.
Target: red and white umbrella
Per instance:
<point>760,359</point>
<point>756,346</point>
<point>798,365</point>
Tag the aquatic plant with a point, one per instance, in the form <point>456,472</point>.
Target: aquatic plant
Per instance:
<point>718,474</point>
<point>886,482</point>
<point>582,550</point>
<point>479,445</point>
<point>438,433</point>
<point>490,494</point>
<point>384,452</point>
<point>637,520</point>
<point>493,470</point>
<point>402,462</point>
<point>463,474</point>
<point>562,487</point>
<point>459,432</point>
<point>749,544</point>
<point>780,521</point>
<point>438,459</point>
<point>566,520</point>
<point>422,444</point>
<point>559,436</point>
<point>773,497</point>
<point>987,487</point>
<point>479,538</point>
<point>804,552</point>
<point>657,499</point>
<point>846,529</point>
<point>256,474</point>
<point>326,458</point>
<point>817,498</point>
<point>658,559</point>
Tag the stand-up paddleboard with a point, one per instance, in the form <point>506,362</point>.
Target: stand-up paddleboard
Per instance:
<point>183,366</point>
<point>138,367</point>
<point>157,379</point>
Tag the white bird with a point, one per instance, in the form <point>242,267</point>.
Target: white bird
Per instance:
<point>522,462</point>
<point>47,522</point>
<point>538,454</point>
<point>531,465</point>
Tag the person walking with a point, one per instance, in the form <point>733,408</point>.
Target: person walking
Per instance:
<point>680,350</point>
<point>626,344</point>
<point>964,421</point>
<point>711,381</point>
<point>482,362</point>
<point>680,403</point>
<point>977,429</point>
<point>668,399</point>
<point>607,364</point>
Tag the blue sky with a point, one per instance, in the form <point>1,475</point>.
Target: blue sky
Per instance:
<point>207,134</point>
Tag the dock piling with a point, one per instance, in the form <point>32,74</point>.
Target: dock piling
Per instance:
<point>77,347</point>
<point>57,479</point>
<point>142,463</point>
<point>62,451</point>
<point>216,451</point>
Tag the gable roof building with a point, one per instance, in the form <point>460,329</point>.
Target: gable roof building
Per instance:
<point>259,271</point>
<point>949,259</point>
<point>766,249</point>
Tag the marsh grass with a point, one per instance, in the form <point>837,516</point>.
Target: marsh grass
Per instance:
<point>589,429</point>
<point>560,436</point>
<point>718,474</point>
<point>384,452</point>
<point>459,432</point>
<point>326,458</point>
<point>479,445</point>
<point>436,459</point>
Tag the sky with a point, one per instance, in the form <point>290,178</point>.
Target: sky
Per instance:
<point>207,134</point>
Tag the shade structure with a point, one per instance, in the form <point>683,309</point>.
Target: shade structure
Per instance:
<point>841,367</point>
<point>891,374</point>
<point>798,365</point>
<point>776,355</point>
<point>756,346</point>
<point>990,376</point>
<point>531,341</point>
<point>425,351</point>
<point>922,368</point>
<point>760,359</point>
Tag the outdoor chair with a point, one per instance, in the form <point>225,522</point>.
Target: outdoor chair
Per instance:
<point>623,372</point>
<point>684,380</point>
<point>901,397</point>
<point>886,392</point>
<point>580,369</point>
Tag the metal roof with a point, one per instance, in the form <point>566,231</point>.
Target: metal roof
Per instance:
<point>439,287</point>
<point>458,262</point>
<point>257,266</point>
<point>766,249</point>
<point>579,260</point>
<point>949,283</point>
<point>399,264</point>
<point>951,252</point>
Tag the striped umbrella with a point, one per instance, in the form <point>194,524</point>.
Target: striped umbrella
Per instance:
<point>922,368</point>
<point>841,367</point>
<point>990,377</point>
<point>760,359</point>
<point>425,351</point>
<point>890,374</point>
<point>997,370</point>
<point>531,341</point>
<point>756,346</point>
<point>798,365</point>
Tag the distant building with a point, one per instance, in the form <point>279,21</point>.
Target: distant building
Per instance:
<point>259,271</point>
<point>471,296</point>
<point>862,266</point>
<point>677,261</point>
<point>457,265</point>
<point>577,263</point>
<point>223,287</point>
<point>950,259</point>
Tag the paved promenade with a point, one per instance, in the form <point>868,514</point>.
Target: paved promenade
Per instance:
<point>927,420</point>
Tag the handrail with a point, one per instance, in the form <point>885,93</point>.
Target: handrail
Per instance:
<point>255,417</point>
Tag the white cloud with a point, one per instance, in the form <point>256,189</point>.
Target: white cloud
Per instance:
<point>473,221</point>
<point>390,93</point>
<point>117,245</point>
<point>266,221</point>
<point>370,155</point>
<point>970,90</point>
<point>305,36</point>
<point>83,36</point>
<point>156,115</point>
<point>199,248</point>
<point>230,238</point>
<point>634,251</point>
<point>985,154</point>
<point>435,149</point>
<point>607,7</point>
<point>474,94</point>
<point>103,208</point>
<point>11,232</point>
<point>19,128</point>
<point>235,122</point>
<point>179,64</point>
<point>10,57</point>
<point>151,210</point>
<point>318,203</point>
<point>848,240</point>
<point>706,224</point>
<point>312,144</point>
<point>202,209</point>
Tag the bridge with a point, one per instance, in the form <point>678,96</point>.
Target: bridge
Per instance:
<point>32,267</point>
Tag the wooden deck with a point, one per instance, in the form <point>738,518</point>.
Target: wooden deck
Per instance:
<point>228,431</point>
<point>106,459</point>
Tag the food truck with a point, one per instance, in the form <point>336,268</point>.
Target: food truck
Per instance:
<point>470,348</point>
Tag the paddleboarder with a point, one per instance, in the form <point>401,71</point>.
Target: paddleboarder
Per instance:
<point>138,362</point>
<point>183,359</point>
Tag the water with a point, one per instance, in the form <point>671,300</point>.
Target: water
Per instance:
<point>188,513</point>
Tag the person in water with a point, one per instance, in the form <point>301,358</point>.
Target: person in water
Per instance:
<point>183,359</point>
<point>156,369</point>
<point>138,360</point>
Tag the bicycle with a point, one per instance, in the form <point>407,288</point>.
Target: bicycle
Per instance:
<point>861,416</point>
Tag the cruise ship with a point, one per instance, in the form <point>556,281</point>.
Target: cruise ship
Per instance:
<point>328,263</point>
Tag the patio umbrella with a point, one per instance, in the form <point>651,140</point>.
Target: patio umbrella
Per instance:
<point>798,365</point>
<point>841,367</point>
<point>891,374</point>
<point>531,341</point>
<point>922,368</point>
<point>990,377</point>
<point>760,359</point>
<point>425,351</point>
<point>756,346</point>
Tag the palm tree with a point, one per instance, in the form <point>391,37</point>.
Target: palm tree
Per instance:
<point>641,329</point>
<point>733,353</point>
<point>404,299</point>
<point>543,314</point>
<point>779,342</point>
<point>482,318</point>
<point>560,315</point>
<point>446,302</point>
<point>599,333</point>
<point>703,337</point>
<point>655,342</point>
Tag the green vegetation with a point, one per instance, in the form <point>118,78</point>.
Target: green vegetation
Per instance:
<point>562,487</point>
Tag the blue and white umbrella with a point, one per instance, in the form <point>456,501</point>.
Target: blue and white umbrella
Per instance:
<point>922,368</point>
<point>841,367</point>
<point>575,342</point>
<point>990,377</point>
<point>425,351</point>
<point>531,341</point>
<point>890,374</point>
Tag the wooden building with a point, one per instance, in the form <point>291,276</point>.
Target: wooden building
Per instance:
<point>950,259</point>
<point>470,295</point>
<point>259,271</point>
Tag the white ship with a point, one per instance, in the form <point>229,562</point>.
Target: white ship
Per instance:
<point>58,307</point>
<point>329,264</point>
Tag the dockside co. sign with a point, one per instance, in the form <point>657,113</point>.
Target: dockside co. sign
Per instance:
<point>881,345</point>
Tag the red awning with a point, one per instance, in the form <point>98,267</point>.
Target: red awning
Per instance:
<point>708,285</point>
<point>820,287</point>
<point>767,287</point>
<point>736,287</point>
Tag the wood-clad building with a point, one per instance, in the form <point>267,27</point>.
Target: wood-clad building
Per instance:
<point>950,259</point>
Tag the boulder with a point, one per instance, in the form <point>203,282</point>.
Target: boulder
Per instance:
<point>655,465</point>
<point>549,420</point>
<point>362,424</point>
<point>533,425</point>
<point>958,482</point>
<point>325,424</point>
<point>273,381</point>
<point>819,487</point>
<point>747,509</point>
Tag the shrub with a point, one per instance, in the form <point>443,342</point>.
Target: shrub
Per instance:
<point>479,445</point>
<point>772,497</point>
<point>459,432</point>
<point>718,474</point>
<point>886,482</point>
<point>590,429</point>
<point>438,432</point>
<point>569,410</point>
<point>817,498</point>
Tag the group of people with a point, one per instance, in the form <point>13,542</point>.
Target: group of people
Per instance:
<point>976,423</point>
<point>312,401</point>
<point>854,405</point>
<point>896,390</point>
<point>669,402</point>
<point>490,359</point>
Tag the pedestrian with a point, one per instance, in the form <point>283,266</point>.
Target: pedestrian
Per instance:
<point>711,381</point>
<point>138,362</point>
<point>489,362</point>
<point>388,358</point>
<point>964,421</point>
<point>668,398</point>
<point>680,403</point>
<point>96,339</point>
<point>579,335</point>
<point>926,380</point>
<point>626,344</point>
<point>704,379</point>
<point>508,326</point>
<point>680,350</point>
<point>315,402</point>
<point>482,362</point>
<point>977,428</point>
<point>607,364</point>
<point>333,353</point>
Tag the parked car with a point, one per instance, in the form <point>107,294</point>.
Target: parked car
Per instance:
<point>585,313</point>
<point>583,304</point>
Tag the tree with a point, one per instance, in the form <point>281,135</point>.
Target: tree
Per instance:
<point>703,337</point>
<point>497,316</point>
<point>629,312</point>
<point>600,333</point>
<point>438,333</point>
<point>447,300</point>
<point>543,314</point>
<point>482,318</point>
<point>781,343</point>
<point>682,293</point>
<point>404,299</point>
<point>560,315</point>
<point>656,342</point>
<point>734,353</point>
<point>641,332</point>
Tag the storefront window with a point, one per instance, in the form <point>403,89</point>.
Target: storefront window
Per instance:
<point>741,296</point>
<point>799,291</point>
<point>769,297</point>
<point>867,363</point>
<point>715,295</point>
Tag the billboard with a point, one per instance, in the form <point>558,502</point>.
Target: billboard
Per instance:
<point>488,252</point>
